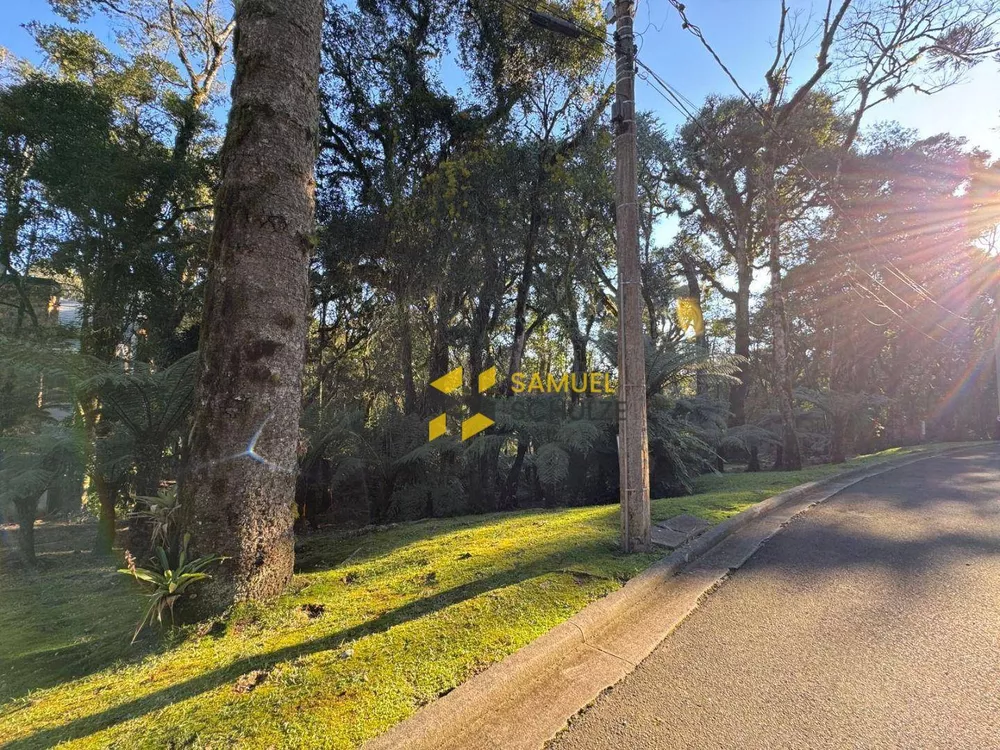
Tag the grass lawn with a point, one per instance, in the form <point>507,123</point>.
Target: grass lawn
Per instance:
<point>375,626</point>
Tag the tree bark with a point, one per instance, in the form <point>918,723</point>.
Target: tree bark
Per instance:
<point>97,483</point>
<point>508,501</point>
<point>239,488</point>
<point>738,391</point>
<point>439,361</point>
<point>406,358</point>
<point>524,284</point>
<point>105,541</point>
<point>837,452</point>
<point>579,342</point>
<point>149,469</point>
<point>484,471</point>
<point>791,458</point>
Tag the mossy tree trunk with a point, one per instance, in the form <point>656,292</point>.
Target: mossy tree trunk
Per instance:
<point>690,269</point>
<point>239,486</point>
<point>106,498</point>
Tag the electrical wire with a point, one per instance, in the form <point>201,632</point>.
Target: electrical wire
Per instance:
<point>584,30</point>
<point>684,106</point>
<point>677,101</point>
<point>766,121</point>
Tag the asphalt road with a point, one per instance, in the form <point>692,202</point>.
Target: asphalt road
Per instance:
<point>871,621</point>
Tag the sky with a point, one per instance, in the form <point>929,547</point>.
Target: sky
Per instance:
<point>742,31</point>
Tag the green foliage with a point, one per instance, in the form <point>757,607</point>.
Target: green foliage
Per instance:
<point>406,613</point>
<point>160,511</point>
<point>875,360</point>
<point>34,459</point>
<point>552,464</point>
<point>747,437</point>
<point>39,448</point>
<point>148,409</point>
<point>144,409</point>
<point>170,581</point>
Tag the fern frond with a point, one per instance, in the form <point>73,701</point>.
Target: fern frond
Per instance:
<point>552,464</point>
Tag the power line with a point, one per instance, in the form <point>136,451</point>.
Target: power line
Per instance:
<point>677,101</point>
<point>681,104</point>
<point>766,120</point>
<point>537,12</point>
<point>697,33</point>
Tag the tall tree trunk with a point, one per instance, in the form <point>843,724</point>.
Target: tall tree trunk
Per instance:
<point>106,520</point>
<point>240,486</point>
<point>438,362</point>
<point>791,458</point>
<point>406,357</point>
<point>838,420</point>
<point>482,480</point>
<point>524,284</point>
<point>149,468</point>
<point>837,452</point>
<point>577,483</point>
<point>508,500</point>
<point>97,486</point>
<point>738,391</point>
<point>579,342</point>
<point>521,331</point>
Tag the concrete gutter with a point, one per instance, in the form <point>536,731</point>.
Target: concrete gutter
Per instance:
<point>526,699</point>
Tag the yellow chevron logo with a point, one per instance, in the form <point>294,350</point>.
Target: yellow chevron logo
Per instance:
<point>451,382</point>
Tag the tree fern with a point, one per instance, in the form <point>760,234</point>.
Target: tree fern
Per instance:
<point>552,464</point>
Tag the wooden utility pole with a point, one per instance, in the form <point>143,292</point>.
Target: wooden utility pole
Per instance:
<point>633,447</point>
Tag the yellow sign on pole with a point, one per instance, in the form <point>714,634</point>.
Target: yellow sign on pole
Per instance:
<point>689,315</point>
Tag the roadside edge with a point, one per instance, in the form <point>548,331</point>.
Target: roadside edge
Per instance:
<point>587,653</point>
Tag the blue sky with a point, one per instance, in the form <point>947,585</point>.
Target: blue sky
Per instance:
<point>740,30</point>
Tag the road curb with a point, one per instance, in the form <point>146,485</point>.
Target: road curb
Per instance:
<point>621,603</point>
<point>588,653</point>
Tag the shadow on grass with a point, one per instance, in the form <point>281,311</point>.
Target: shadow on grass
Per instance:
<point>320,551</point>
<point>53,666</point>
<point>67,617</point>
<point>813,548</point>
<point>901,556</point>
<point>86,725</point>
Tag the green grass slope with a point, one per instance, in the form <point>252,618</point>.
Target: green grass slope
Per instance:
<point>375,626</point>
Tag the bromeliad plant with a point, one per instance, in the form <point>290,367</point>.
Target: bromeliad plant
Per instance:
<point>170,582</point>
<point>160,514</point>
